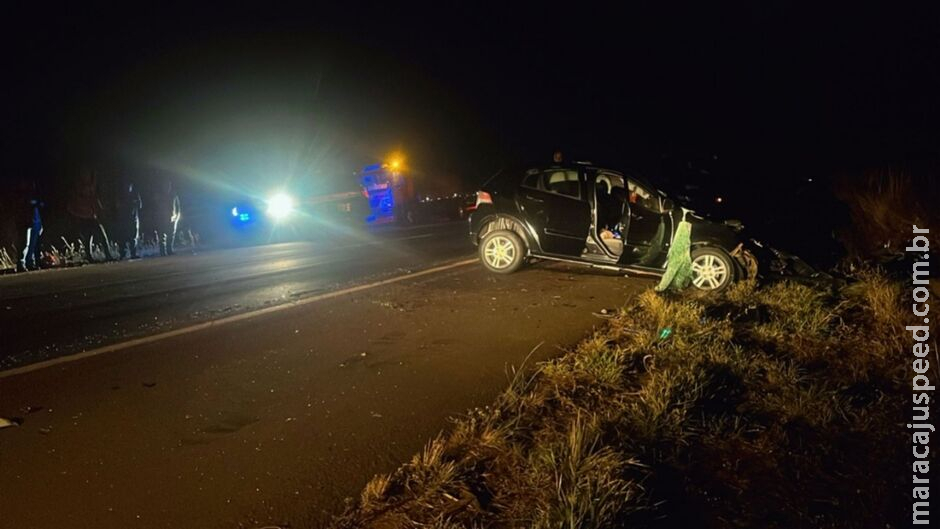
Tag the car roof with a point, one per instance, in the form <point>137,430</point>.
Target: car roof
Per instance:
<point>588,166</point>
<point>516,171</point>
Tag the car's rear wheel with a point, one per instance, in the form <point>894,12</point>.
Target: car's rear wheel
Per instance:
<point>712,269</point>
<point>502,251</point>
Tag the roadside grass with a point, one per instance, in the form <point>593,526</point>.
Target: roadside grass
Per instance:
<point>774,406</point>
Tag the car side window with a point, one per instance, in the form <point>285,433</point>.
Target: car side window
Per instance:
<point>531,179</point>
<point>641,196</point>
<point>563,182</point>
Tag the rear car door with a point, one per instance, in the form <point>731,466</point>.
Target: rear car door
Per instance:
<point>554,203</point>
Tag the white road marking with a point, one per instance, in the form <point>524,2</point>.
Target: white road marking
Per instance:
<point>226,320</point>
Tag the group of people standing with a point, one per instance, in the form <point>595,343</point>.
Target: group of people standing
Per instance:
<point>86,218</point>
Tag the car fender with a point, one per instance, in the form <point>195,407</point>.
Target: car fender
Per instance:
<point>713,242</point>
<point>711,234</point>
<point>505,221</point>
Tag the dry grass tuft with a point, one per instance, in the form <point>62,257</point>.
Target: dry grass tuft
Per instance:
<point>588,488</point>
<point>375,490</point>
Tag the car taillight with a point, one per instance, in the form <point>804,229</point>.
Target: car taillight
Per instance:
<point>483,198</point>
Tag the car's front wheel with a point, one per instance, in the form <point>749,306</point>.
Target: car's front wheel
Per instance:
<point>712,269</point>
<point>502,251</point>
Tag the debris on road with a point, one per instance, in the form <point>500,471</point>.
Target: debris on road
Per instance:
<point>390,305</point>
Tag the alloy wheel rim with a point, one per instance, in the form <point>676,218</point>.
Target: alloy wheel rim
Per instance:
<point>708,272</point>
<point>499,252</point>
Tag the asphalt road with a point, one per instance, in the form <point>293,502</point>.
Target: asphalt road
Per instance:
<point>57,312</point>
<point>275,418</point>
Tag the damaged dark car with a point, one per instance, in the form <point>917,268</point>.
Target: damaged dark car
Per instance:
<point>582,214</point>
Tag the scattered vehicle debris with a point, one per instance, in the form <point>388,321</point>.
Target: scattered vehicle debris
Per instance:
<point>605,313</point>
<point>777,264</point>
<point>665,333</point>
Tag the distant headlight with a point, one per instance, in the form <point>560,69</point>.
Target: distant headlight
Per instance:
<point>280,206</point>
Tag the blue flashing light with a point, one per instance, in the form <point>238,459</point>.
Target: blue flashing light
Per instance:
<point>242,216</point>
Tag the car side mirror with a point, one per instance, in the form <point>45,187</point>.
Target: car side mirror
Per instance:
<point>668,205</point>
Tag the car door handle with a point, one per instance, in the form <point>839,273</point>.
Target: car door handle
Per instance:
<point>535,199</point>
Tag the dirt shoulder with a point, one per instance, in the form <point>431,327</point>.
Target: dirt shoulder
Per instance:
<point>277,419</point>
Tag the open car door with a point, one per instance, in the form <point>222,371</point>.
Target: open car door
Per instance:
<point>646,227</point>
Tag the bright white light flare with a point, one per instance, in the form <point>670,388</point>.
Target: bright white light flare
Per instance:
<point>280,206</point>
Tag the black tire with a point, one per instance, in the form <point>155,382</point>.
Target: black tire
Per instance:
<point>713,270</point>
<point>502,251</point>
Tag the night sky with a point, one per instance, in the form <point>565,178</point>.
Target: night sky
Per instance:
<point>271,93</point>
